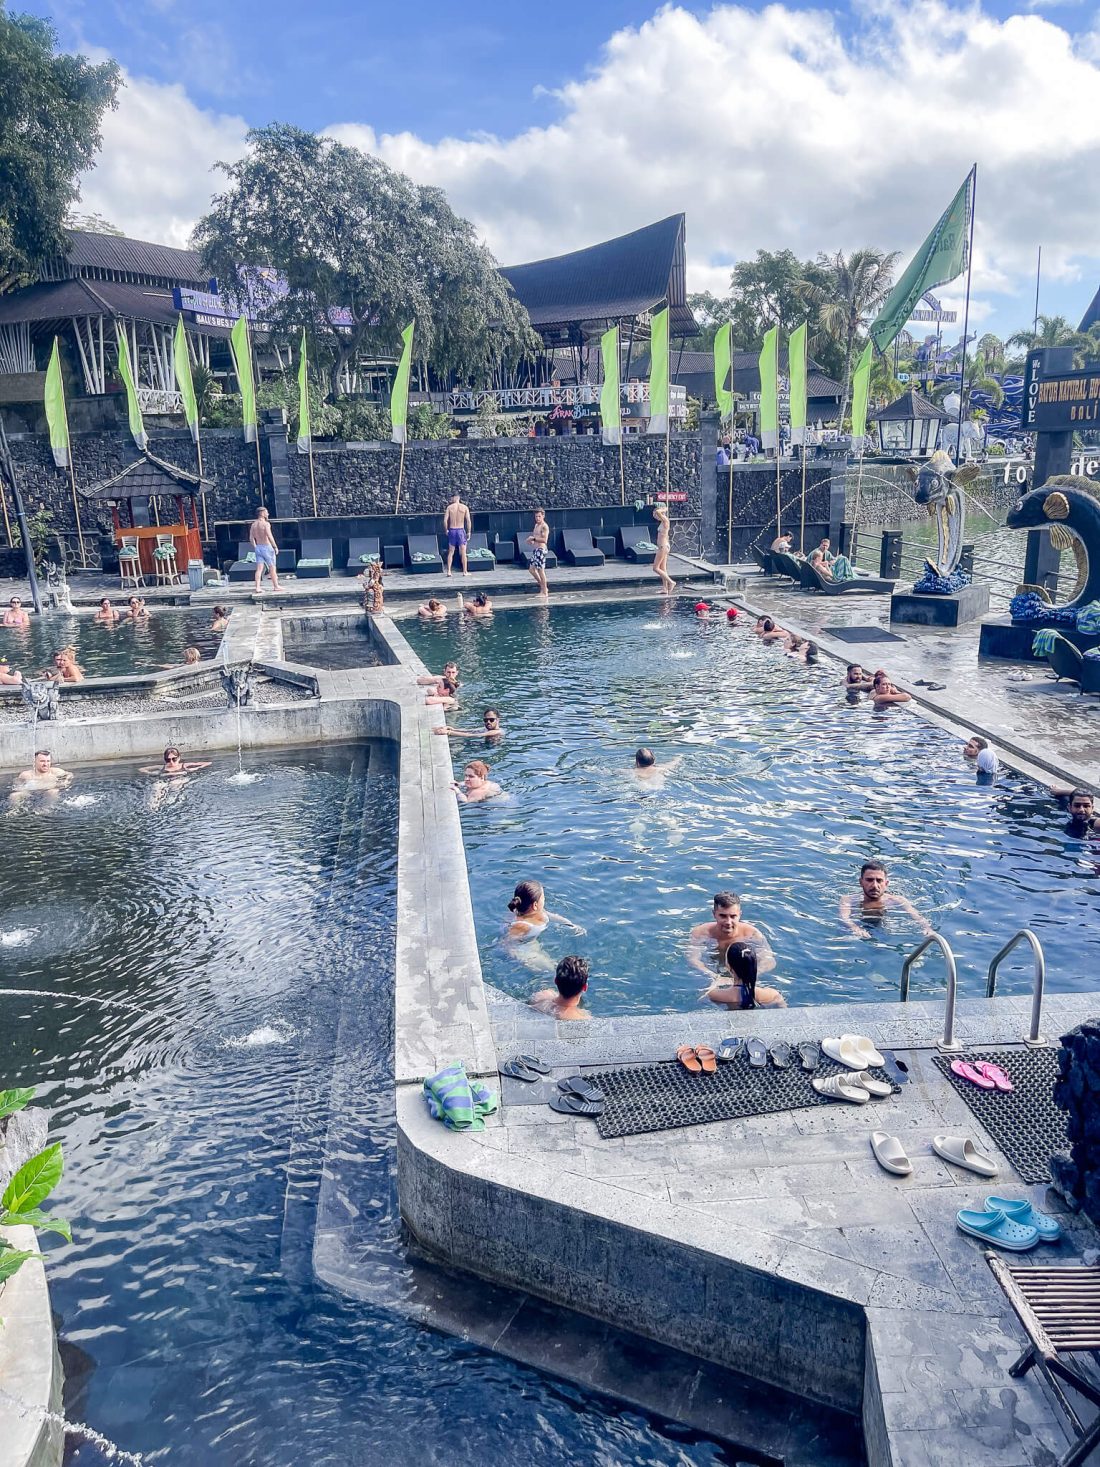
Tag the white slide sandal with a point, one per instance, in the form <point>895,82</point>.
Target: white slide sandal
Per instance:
<point>961,1151</point>
<point>841,1087</point>
<point>872,1084</point>
<point>844,1052</point>
<point>890,1154</point>
<point>861,1045</point>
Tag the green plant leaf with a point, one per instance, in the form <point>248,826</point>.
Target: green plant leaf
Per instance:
<point>13,1100</point>
<point>34,1217</point>
<point>34,1181</point>
<point>12,1260</point>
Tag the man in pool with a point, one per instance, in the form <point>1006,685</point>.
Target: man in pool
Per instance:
<point>856,680</point>
<point>874,901</point>
<point>9,677</point>
<point>1083,819</point>
<point>726,927</point>
<point>984,757</point>
<point>648,773</point>
<point>538,540</point>
<point>431,680</point>
<point>563,1001</point>
<point>45,777</point>
<point>491,730</point>
<point>263,545</point>
<point>457,526</point>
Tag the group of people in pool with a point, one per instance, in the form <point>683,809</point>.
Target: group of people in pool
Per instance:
<point>48,779</point>
<point>66,668</point>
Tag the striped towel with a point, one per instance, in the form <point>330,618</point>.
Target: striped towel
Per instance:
<point>456,1100</point>
<point>1043,641</point>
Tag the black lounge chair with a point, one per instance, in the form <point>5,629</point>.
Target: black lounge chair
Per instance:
<point>478,555</point>
<point>1090,674</point>
<point>244,567</point>
<point>362,553</point>
<point>577,548</point>
<point>812,580</point>
<point>786,565</point>
<point>1066,662</point>
<point>632,538</point>
<point>315,561</point>
<point>423,553</point>
<point>523,553</point>
<point>763,559</point>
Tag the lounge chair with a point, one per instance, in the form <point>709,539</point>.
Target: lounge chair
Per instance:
<point>244,567</point>
<point>1065,661</point>
<point>811,579</point>
<point>362,552</point>
<point>523,552</point>
<point>577,548</point>
<point>763,559</point>
<point>478,555</point>
<point>315,561</point>
<point>633,538</point>
<point>1090,675</point>
<point>423,554</point>
<point>786,565</point>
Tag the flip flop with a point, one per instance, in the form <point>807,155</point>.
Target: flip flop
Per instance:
<point>896,1069</point>
<point>573,1105</point>
<point>935,687</point>
<point>966,1071</point>
<point>845,1053</point>
<point>730,1048</point>
<point>781,1055</point>
<point>1048,1228</point>
<point>871,1083</point>
<point>841,1087</point>
<point>994,1072</point>
<point>862,1045</point>
<point>961,1151</point>
<point>532,1063</point>
<point>890,1154</point>
<point>809,1052</point>
<point>996,1228</point>
<point>686,1055</point>
<point>517,1071</point>
<point>581,1086</point>
<point>707,1058</point>
<point>758,1052</point>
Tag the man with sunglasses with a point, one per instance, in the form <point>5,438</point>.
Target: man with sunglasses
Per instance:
<point>491,730</point>
<point>15,616</point>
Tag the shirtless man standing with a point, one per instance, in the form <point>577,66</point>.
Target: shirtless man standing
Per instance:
<point>875,901</point>
<point>727,928</point>
<point>538,540</point>
<point>263,544</point>
<point>44,777</point>
<point>457,526</point>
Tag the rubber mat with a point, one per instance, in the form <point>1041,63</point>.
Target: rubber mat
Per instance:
<point>664,1097</point>
<point>1024,1122</point>
<point>861,634</point>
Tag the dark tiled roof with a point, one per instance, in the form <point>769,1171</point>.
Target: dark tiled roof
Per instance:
<point>134,257</point>
<point>620,277</point>
<point>146,476</point>
<point>746,372</point>
<point>909,405</point>
<point>60,300</point>
<point>1092,315</point>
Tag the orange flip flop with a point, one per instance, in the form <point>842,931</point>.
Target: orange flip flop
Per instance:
<point>707,1058</point>
<point>686,1055</point>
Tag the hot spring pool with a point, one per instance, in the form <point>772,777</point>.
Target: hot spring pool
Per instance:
<point>114,651</point>
<point>173,973</point>
<point>783,790</point>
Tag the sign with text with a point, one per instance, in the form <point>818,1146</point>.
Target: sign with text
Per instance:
<point>1061,403</point>
<point>672,496</point>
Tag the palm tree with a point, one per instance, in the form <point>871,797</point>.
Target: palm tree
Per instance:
<point>850,293</point>
<point>1056,331</point>
<point>990,353</point>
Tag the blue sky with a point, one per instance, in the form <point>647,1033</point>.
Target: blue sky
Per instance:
<point>821,129</point>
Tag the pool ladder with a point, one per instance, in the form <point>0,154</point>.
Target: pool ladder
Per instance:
<point>948,1042</point>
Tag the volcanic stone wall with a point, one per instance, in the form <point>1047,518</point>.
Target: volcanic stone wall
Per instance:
<point>1077,1090</point>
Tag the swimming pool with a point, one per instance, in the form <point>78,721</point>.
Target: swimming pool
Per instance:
<point>115,651</point>
<point>783,789</point>
<point>173,972</point>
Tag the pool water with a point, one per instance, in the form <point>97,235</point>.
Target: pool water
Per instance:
<point>114,651</point>
<point>173,972</point>
<point>784,788</point>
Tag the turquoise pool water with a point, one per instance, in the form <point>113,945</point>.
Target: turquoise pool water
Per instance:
<point>114,651</point>
<point>783,789</point>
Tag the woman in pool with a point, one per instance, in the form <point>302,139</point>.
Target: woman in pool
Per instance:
<point>432,610</point>
<point>137,610</point>
<point>444,694</point>
<point>220,619</point>
<point>476,785</point>
<point>174,765</point>
<point>68,669</point>
<point>660,560</point>
<point>740,990</point>
<point>530,919</point>
<point>106,616</point>
<point>480,605</point>
<point>769,632</point>
<point>15,616</point>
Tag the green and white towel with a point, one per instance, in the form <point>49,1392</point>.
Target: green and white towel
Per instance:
<point>1043,641</point>
<point>456,1100</point>
<point>842,569</point>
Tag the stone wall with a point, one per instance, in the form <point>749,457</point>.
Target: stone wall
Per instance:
<point>754,505</point>
<point>1077,1090</point>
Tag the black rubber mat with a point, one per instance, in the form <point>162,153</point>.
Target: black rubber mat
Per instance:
<point>1024,1122</point>
<point>861,634</point>
<point>664,1097</point>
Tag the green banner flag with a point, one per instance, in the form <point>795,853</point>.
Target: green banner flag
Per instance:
<point>942,257</point>
<point>769,390</point>
<point>861,391</point>
<point>723,369</point>
<point>658,373</point>
<point>399,397</point>
<point>611,421</point>
<point>184,385</point>
<point>56,416</point>
<point>796,361</point>
<point>241,348</point>
<point>133,407</point>
<point>304,430</point>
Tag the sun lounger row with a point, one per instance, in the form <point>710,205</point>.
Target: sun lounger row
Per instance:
<point>809,578</point>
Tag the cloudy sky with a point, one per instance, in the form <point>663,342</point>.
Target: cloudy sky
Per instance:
<point>555,126</point>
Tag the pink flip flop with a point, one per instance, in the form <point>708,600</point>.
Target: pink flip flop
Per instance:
<point>993,1073</point>
<point>967,1071</point>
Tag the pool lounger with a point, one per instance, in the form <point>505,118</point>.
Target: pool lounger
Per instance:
<point>244,567</point>
<point>478,555</point>
<point>423,553</point>
<point>763,559</point>
<point>315,561</point>
<point>631,538</point>
<point>577,548</point>
<point>1065,661</point>
<point>811,579</point>
<point>785,564</point>
<point>361,552</point>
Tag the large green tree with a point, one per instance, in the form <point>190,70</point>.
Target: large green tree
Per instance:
<point>1056,331</point>
<point>364,250</point>
<point>51,110</point>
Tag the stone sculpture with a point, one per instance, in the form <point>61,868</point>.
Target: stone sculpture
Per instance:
<point>939,487</point>
<point>239,685</point>
<point>44,698</point>
<point>1069,506</point>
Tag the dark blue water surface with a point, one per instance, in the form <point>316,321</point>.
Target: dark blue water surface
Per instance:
<point>783,789</point>
<point>206,946</point>
<point>126,647</point>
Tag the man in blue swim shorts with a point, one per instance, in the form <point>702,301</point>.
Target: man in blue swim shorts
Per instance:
<point>457,524</point>
<point>264,548</point>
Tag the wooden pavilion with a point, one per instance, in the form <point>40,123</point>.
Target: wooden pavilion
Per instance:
<point>153,482</point>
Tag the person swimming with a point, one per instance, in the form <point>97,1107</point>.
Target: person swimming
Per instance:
<point>530,919</point>
<point>739,990</point>
<point>874,901</point>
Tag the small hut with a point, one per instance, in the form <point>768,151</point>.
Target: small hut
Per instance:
<point>911,425</point>
<point>149,488</point>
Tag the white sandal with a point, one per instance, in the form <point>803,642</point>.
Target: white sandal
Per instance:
<point>862,1045</point>
<point>841,1087</point>
<point>890,1154</point>
<point>872,1084</point>
<point>961,1151</point>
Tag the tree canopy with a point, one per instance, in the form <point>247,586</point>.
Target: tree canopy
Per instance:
<point>363,250</point>
<point>51,110</point>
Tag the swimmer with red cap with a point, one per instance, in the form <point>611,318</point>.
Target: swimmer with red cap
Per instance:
<point>702,609</point>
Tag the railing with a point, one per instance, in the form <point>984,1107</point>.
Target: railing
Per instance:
<point>948,1042</point>
<point>507,399</point>
<point>1033,1035</point>
<point>157,400</point>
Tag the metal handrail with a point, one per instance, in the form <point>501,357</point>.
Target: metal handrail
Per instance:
<point>1024,935</point>
<point>948,1041</point>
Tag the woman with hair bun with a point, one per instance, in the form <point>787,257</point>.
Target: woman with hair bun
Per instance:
<point>530,919</point>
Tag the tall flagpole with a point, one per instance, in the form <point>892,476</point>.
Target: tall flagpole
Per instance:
<point>622,471</point>
<point>729,504</point>
<point>400,476</point>
<point>966,312</point>
<point>312,480</point>
<point>778,445</point>
<point>76,506</point>
<point>202,491</point>
<point>7,522</point>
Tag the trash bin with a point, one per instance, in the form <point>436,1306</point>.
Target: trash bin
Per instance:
<point>194,574</point>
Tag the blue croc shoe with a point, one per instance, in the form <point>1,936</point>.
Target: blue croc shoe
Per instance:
<point>996,1228</point>
<point>1021,1211</point>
